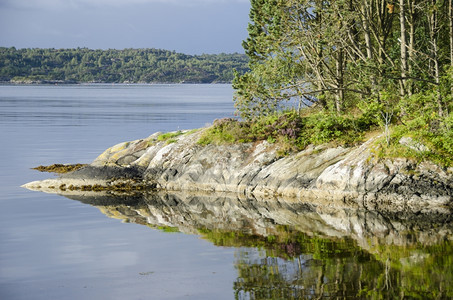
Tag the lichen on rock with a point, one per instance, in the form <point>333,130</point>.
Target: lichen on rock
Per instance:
<point>257,170</point>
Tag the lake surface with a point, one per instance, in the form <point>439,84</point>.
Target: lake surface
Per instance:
<point>177,246</point>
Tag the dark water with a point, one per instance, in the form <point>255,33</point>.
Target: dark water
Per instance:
<point>178,246</point>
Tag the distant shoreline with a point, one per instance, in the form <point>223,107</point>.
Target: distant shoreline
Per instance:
<point>58,82</point>
<point>63,66</point>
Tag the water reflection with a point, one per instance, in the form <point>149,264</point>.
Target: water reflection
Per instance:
<point>293,250</point>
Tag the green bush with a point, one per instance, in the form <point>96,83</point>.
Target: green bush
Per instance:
<point>326,127</point>
<point>224,131</point>
<point>419,119</point>
<point>415,116</point>
<point>289,129</point>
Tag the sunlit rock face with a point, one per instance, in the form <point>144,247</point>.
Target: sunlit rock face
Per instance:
<point>256,170</point>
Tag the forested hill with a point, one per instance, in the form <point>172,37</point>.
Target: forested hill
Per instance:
<point>116,66</point>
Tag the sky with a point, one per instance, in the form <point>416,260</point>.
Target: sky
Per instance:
<point>186,26</point>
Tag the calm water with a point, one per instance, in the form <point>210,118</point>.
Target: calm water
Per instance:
<point>160,246</point>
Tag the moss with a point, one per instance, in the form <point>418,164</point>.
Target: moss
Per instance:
<point>169,135</point>
<point>171,141</point>
<point>191,131</point>
<point>166,229</point>
<point>59,168</point>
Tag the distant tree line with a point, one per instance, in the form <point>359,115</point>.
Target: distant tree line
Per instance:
<point>116,66</point>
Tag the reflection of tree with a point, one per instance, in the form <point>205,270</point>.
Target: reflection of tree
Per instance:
<point>282,261</point>
<point>416,271</point>
<point>332,274</point>
<point>397,272</point>
<point>294,265</point>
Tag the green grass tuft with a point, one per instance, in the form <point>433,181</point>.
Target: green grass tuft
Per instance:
<point>292,131</point>
<point>169,135</point>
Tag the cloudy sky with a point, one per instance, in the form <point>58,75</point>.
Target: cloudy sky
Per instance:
<point>188,26</point>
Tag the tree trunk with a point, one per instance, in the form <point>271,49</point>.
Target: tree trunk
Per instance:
<point>320,7</point>
<point>433,33</point>
<point>411,46</point>
<point>366,30</point>
<point>366,18</point>
<point>382,31</point>
<point>339,95</point>
<point>450,17</point>
<point>403,49</point>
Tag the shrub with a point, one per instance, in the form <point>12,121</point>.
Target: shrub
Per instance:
<point>324,127</point>
<point>289,129</point>
<point>224,131</point>
<point>288,124</point>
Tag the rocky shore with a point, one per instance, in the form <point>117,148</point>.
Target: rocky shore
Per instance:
<point>352,176</point>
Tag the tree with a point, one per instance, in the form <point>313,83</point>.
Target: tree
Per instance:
<point>132,65</point>
<point>336,53</point>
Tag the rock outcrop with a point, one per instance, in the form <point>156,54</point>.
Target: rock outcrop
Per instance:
<point>321,173</point>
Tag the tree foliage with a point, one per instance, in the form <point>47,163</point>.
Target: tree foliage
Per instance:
<point>337,54</point>
<point>128,65</point>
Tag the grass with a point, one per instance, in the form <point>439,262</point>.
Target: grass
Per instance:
<point>293,131</point>
<point>439,145</point>
<point>171,137</point>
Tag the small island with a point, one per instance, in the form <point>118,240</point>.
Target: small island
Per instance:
<point>334,175</point>
<point>338,104</point>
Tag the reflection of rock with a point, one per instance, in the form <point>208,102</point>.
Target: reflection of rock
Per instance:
<point>192,212</point>
<point>307,250</point>
<point>255,170</point>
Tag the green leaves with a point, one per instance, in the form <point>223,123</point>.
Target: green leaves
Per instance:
<point>128,65</point>
<point>290,130</point>
<point>339,52</point>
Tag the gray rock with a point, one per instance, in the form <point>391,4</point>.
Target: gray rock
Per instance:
<point>351,175</point>
<point>414,145</point>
